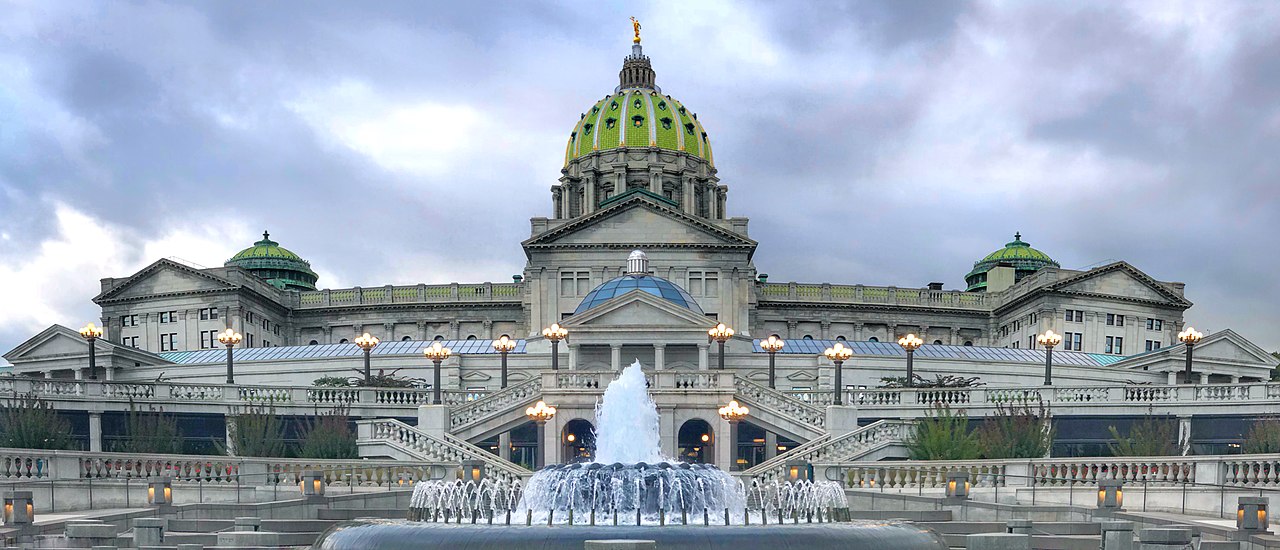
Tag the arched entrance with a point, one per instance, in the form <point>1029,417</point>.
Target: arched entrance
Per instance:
<point>578,441</point>
<point>695,440</point>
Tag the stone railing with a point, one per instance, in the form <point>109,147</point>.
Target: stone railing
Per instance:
<point>658,381</point>
<point>990,397</point>
<point>834,449</point>
<point>231,395</point>
<point>481,292</point>
<point>498,402</point>
<point>431,449</point>
<point>26,464</point>
<point>780,403</point>
<point>861,294</point>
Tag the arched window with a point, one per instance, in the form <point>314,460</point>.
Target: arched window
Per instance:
<point>438,338</point>
<point>808,337</point>
<point>313,342</point>
<point>840,338</point>
<point>937,342</point>
<point>406,339</point>
<point>873,339</point>
<point>695,439</point>
<point>471,337</point>
<point>775,335</point>
<point>579,441</point>
<point>968,343</point>
<point>342,341</point>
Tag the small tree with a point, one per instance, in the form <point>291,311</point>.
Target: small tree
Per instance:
<point>1016,432</point>
<point>328,435</point>
<point>257,431</point>
<point>150,431</point>
<point>29,422</point>
<point>943,435</point>
<point>1263,437</point>
<point>1151,436</point>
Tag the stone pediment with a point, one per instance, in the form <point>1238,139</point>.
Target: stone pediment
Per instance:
<point>1120,280</point>
<point>639,221</point>
<point>58,341</point>
<point>638,310</point>
<point>165,277</point>
<point>1228,346</point>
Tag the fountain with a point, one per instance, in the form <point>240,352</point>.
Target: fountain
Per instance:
<point>631,491</point>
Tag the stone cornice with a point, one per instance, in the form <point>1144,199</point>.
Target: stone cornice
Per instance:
<point>836,306</point>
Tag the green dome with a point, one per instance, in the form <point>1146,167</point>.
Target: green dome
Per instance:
<point>276,264</point>
<point>638,114</point>
<point>1018,254</point>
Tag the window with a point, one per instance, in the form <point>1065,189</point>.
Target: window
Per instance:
<point>1153,345</point>
<point>937,342</point>
<point>131,341</point>
<point>406,339</point>
<point>1115,320</point>
<point>248,317</point>
<point>1115,345</point>
<point>704,283</point>
<point>208,314</point>
<point>266,325</point>
<point>266,343</point>
<point>168,342</point>
<point>1074,316</point>
<point>249,338</point>
<point>1015,344</point>
<point>968,343</point>
<point>1071,341</point>
<point>575,283</point>
<point>807,337</point>
<point>128,320</point>
<point>1155,324</point>
<point>873,339</point>
<point>1031,342</point>
<point>168,316</point>
<point>313,343</point>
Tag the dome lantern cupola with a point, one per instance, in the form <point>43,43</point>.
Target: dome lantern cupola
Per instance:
<point>1016,254</point>
<point>279,266</point>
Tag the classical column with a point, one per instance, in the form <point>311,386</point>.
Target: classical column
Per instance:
<point>791,330</point>
<point>589,184</point>
<point>770,445</point>
<point>455,329</point>
<point>826,330</point>
<point>615,356</point>
<point>504,445</point>
<point>703,360</point>
<point>110,373</point>
<point>79,373</point>
<point>328,335</point>
<point>659,356</point>
<point>422,330</point>
<point>389,329</point>
<point>857,332</point>
<point>573,357</point>
<point>955,337</point>
<point>488,330</point>
<point>95,432</point>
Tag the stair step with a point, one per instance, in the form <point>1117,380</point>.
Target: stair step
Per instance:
<point>909,515</point>
<point>348,514</point>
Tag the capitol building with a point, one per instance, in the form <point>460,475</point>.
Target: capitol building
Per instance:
<point>640,256</point>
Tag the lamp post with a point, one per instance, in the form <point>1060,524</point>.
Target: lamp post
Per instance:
<point>838,354</point>
<point>911,343</point>
<point>1190,337</point>
<point>92,333</point>
<point>504,346</point>
<point>555,333</point>
<point>366,343</point>
<point>722,334</point>
<point>1049,340</point>
<point>540,413</point>
<point>773,345</point>
<point>436,353</point>
<point>230,338</point>
<point>733,413</point>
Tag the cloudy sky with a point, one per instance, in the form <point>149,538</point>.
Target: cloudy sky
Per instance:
<point>873,142</point>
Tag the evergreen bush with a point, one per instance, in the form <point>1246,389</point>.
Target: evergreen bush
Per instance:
<point>943,435</point>
<point>1263,437</point>
<point>1016,432</point>
<point>150,431</point>
<point>29,422</point>
<point>328,435</point>
<point>257,431</point>
<point>1151,436</point>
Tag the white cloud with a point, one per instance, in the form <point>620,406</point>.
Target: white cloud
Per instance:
<point>53,281</point>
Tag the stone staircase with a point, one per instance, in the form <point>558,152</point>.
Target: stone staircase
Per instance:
<point>389,437</point>
<point>779,412</point>
<point>494,413</point>
<point>825,448</point>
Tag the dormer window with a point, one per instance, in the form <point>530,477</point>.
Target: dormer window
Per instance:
<point>595,109</point>
<point>682,110</point>
<point>586,128</point>
<point>637,103</point>
<point>666,123</point>
<point>688,127</point>
<point>662,105</point>
<point>637,120</point>
<point>609,122</point>
<point>613,105</point>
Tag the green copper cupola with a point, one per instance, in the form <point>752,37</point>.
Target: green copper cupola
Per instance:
<point>1017,254</point>
<point>279,266</point>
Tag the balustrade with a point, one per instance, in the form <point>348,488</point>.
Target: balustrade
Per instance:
<point>409,294</point>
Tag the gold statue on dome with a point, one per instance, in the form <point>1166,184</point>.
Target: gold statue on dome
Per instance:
<point>635,24</point>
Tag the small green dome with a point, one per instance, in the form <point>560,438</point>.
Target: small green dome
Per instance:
<point>1018,254</point>
<point>278,265</point>
<point>638,114</point>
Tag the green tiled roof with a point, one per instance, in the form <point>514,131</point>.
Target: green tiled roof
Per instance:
<point>277,264</point>
<point>1017,253</point>
<point>638,117</point>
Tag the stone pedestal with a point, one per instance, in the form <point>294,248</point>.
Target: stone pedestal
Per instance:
<point>148,531</point>
<point>1164,539</point>
<point>1018,526</point>
<point>248,523</point>
<point>87,534</point>
<point>433,420</point>
<point>841,419</point>
<point>997,541</point>
<point>1117,535</point>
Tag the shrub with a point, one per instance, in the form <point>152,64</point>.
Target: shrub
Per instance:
<point>29,422</point>
<point>150,431</point>
<point>256,431</point>
<point>1152,436</point>
<point>1263,437</point>
<point>331,382</point>
<point>1016,432</point>
<point>943,435</point>
<point>328,436</point>
<point>939,381</point>
<point>383,379</point>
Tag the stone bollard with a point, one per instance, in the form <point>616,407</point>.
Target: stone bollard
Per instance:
<point>148,531</point>
<point>1117,535</point>
<point>620,544</point>
<point>1018,526</point>
<point>997,541</point>
<point>1164,539</point>
<point>248,524</point>
<point>1219,545</point>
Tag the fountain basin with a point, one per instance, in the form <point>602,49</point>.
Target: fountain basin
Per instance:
<point>405,535</point>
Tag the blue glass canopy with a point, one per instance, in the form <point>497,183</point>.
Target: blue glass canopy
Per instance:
<point>656,286</point>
